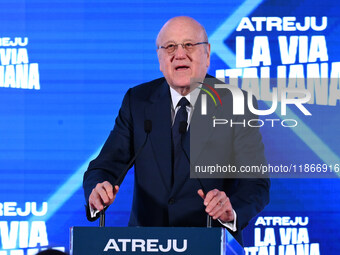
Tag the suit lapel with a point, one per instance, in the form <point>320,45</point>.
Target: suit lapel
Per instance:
<point>159,112</point>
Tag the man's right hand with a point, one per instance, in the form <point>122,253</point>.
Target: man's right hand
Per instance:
<point>102,195</point>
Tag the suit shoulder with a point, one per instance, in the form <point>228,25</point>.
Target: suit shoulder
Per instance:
<point>147,87</point>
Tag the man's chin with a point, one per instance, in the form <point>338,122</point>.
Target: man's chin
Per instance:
<point>182,83</point>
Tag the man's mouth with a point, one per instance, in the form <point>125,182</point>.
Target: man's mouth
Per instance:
<point>181,68</point>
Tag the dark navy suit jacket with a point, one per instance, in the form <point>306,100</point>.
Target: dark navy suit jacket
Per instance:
<point>156,202</point>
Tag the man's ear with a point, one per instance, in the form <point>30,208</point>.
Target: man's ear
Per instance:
<point>160,67</point>
<point>208,54</point>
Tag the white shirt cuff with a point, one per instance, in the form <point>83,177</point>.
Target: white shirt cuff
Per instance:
<point>230,225</point>
<point>94,212</point>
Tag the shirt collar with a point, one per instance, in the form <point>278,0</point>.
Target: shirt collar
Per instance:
<point>191,97</point>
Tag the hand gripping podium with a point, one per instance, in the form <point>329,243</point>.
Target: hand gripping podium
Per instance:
<point>153,240</point>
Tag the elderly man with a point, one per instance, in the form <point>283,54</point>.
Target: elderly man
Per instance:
<point>164,195</point>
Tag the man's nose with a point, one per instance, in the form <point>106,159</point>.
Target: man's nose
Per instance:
<point>180,52</point>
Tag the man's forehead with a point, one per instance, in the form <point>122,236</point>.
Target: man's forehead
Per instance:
<point>184,28</point>
<point>184,22</point>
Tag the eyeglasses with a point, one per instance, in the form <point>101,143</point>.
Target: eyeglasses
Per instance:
<point>172,47</point>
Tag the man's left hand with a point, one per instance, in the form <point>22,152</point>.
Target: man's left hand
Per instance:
<point>217,205</point>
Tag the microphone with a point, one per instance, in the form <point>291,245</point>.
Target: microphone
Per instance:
<point>182,129</point>
<point>147,129</point>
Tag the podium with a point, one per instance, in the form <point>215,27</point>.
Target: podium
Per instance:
<point>152,240</point>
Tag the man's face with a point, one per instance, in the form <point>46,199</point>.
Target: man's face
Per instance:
<point>181,66</point>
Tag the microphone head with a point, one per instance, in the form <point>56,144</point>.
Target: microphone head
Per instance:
<point>183,127</point>
<point>147,126</point>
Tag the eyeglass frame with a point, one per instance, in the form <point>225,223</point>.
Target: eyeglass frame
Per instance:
<point>176,46</point>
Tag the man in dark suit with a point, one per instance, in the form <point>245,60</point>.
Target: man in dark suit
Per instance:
<point>164,195</point>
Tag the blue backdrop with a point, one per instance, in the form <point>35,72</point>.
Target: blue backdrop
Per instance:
<point>65,66</point>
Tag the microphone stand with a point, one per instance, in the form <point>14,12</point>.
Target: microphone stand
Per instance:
<point>147,129</point>
<point>102,219</point>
